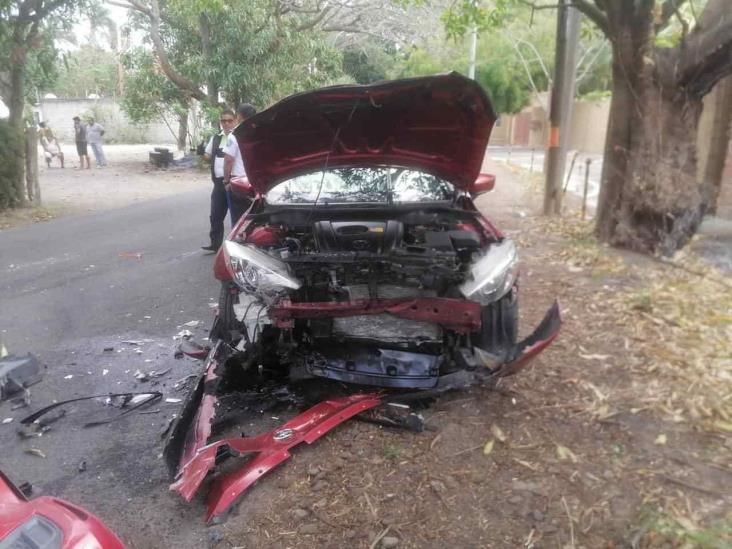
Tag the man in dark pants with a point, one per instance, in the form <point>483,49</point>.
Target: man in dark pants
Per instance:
<point>80,139</point>
<point>219,203</point>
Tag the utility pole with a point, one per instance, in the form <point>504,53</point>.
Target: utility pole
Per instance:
<point>473,47</point>
<point>561,99</point>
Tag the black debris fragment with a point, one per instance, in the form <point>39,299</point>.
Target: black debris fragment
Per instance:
<point>26,489</point>
<point>117,399</point>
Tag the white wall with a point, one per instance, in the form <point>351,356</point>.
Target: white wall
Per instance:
<point>59,112</point>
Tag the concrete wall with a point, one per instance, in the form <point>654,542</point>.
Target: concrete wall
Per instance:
<point>530,127</point>
<point>118,128</point>
<point>589,126</point>
<point>712,103</point>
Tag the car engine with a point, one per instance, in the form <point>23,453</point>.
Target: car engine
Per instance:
<point>351,259</point>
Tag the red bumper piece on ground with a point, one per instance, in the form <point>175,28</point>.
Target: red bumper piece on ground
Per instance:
<point>271,449</point>
<point>54,522</point>
<point>458,314</point>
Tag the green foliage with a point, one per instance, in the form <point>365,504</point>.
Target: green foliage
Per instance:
<point>679,531</point>
<point>498,68</point>
<point>148,93</point>
<point>258,54</point>
<point>464,15</point>
<point>507,89</point>
<point>11,165</point>
<point>40,70</point>
<point>90,69</point>
<point>368,62</point>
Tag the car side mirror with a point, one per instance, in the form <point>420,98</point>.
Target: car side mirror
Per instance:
<point>240,186</point>
<point>483,183</point>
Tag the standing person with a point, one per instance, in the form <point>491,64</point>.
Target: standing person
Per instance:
<point>80,138</point>
<point>234,165</point>
<point>219,203</point>
<point>51,148</point>
<point>94,133</point>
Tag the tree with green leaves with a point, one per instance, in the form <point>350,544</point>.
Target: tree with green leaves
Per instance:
<point>150,96</point>
<point>253,50</point>
<point>650,199</point>
<point>27,61</point>
<point>89,69</point>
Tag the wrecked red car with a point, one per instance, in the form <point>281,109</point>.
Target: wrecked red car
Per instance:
<point>363,258</point>
<point>362,263</point>
<point>48,523</point>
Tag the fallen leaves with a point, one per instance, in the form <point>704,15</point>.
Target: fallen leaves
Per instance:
<point>565,454</point>
<point>498,433</point>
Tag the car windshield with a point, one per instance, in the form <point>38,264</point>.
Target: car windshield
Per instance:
<point>347,185</point>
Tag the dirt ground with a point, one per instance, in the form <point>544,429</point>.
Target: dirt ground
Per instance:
<point>126,180</point>
<point>617,436</point>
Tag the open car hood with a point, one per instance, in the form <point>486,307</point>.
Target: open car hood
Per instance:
<point>437,124</point>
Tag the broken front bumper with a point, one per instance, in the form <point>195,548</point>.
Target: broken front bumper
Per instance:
<point>384,367</point>
<point>190,457</point>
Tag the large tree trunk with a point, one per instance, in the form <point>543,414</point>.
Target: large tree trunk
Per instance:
<point>650,199</point>
<point>16,106</point>
<point>31,166</point>
<point>182,130</point>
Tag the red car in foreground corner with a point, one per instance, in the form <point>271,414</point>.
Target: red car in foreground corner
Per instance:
<point>363,258</point>
<point>48,523</point>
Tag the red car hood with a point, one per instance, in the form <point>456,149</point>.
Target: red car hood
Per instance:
<point>438,124</point>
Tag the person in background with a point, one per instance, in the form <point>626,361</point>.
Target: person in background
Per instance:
<point>51,148</point>
<point>94,133</point>
<point>80,139</point>
<point>234,165</point>
<point>214,153</point>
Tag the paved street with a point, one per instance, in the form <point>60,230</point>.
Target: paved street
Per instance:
<point>71,288</point>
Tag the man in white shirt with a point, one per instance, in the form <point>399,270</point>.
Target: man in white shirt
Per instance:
<point>219,201</point>
<point>94,133</point>
<point>234,165</point>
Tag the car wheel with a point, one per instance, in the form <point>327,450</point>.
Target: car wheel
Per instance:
<point>499,330</point>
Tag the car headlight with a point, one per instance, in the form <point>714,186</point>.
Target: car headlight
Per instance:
<point>257,272</point>
<point>493,275</point>
<point>36,532</point>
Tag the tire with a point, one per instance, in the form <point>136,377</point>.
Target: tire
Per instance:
<point>499,330</point>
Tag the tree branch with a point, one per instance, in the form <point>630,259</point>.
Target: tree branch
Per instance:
<point>153,14</point>
<point>705,56</point>
<point>132,5</point>
<point>668,9</point>
<point>594,14</point>
<point>585,6</point>
<point>314,21</point>
<point>42,12</point>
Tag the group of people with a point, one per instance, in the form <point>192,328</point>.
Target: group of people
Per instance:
<point>89,134</point>
<point>85,134</point>
<point>222,152</point>
<point>226,161</point>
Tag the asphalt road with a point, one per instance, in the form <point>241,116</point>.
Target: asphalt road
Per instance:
<point>69,289</point>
